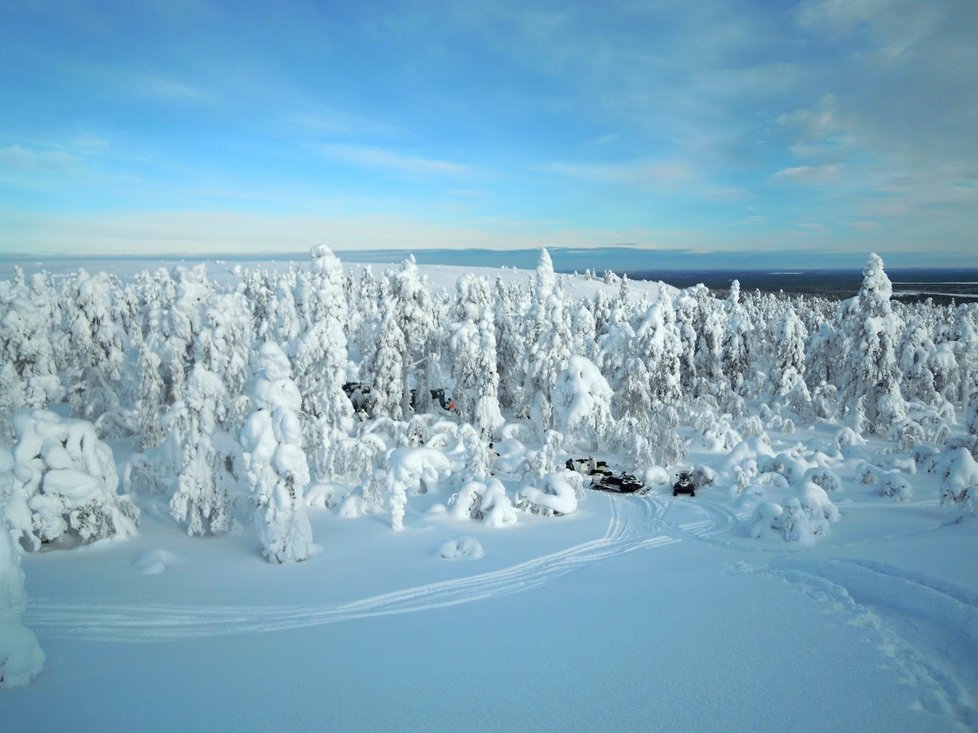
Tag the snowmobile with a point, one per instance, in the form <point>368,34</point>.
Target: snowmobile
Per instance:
<point>363,401</point>
<point>684,484</point>
<point>438,395</point>
<point>602,478</point>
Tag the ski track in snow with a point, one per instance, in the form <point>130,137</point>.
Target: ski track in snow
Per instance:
<point>929,627</point>
<point>636,523</point>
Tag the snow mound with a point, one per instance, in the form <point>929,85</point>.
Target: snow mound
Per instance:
<point>154,562</point>
<point>21,657</point>
<point>463,548</point>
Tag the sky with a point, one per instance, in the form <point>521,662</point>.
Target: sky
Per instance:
<point>178,126</point>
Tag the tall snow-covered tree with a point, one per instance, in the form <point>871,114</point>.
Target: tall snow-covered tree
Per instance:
<point>510,347</point>
<point>582,402</point>
<point>389,353</point>
<point>322,359</point>
<point>95,358</point>
<point>735,352</point>
<point>548,338</point>
<point>207,457</point>
<point>30,326</point>
<point>275,464</point>
<point>786,378</point>
<point>872,333</point>
<point>473,349</point>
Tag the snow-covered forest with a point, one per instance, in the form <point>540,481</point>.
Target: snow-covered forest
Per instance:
<point>243,400</point>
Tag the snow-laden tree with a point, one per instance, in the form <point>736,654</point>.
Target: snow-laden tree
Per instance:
<point>275,464</point>
<point>321,360</point>
<point>149,403</point>
<point>30,324</point>
<point>735,351</point>
<point>584,330</point>
<point>872,333</point>
<point>548,339</point>
<point>510,347</point>
<point>582,402</point>
<point>173,340</point>
<point>686,319</point>
<point>960,483</point>
<point>207,457</point>
<point>223,347</point>
<point>918,378</point>
<point>708,357</point>
<point>95,358</point>
<point>658,343</point>
<point>389,352</point>
<point>473,355</point>
<point>966,351</point>
<point>62,484</point>
<point>21,656</point>
<point>787,376</point>
<point>415,311</point>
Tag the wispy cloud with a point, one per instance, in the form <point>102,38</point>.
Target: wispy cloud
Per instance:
<point>363,156</point>
<point>807,174</point>
<point>658,174</point>
<point>165,88</point>
<point>18,159</point>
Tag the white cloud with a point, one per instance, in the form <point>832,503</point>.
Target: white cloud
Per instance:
<point>18,159</point>
<point>807,173</point>
<point>658,174</point>
<point>373,157</point>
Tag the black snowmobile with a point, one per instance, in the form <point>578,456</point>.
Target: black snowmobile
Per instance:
<point>602,478</point>
<point>684,484</point>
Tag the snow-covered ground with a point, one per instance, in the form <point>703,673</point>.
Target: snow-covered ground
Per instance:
<point>634,612</point>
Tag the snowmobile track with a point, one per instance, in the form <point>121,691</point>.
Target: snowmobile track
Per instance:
<point>929,627</point>
<point>634,525</point>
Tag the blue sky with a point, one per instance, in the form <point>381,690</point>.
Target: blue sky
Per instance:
<point>184,126</point>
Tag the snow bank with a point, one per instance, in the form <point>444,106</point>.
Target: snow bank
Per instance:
<point>63,483</point>
<point>463,548</point>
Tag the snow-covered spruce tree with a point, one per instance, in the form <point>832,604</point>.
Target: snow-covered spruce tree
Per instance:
<point>30,321</point>
<point>94,358</point>
<point>735,352</point>
<point>416,319</point>
<point>601,309</point>
<point>275,465</point>
<point>223,347</point>
<point>286,327</point>
<point>584,330</point>
<point>787,374</point>
<point>473,350</point>
<point>548,338</point>
<point>207,457</point>
<point>178,329</point>
<point>21,657</point>
<point>62,484</point>
<point>582,402</point>
<point>321,360</point>
<point>511,304</point>
<point>686,317</point>
<point>872,332</point>
<point>915,351</point>
<point>709,344</point>
<point>966,351</point>
<point>657,342</point>
<point>149,402</point>
<point>387,365</point>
